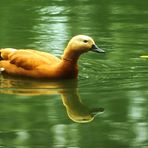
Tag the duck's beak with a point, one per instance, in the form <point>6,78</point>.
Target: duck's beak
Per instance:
<point>95,48</point>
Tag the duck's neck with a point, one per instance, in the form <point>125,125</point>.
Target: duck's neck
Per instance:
<point>70,56</point>
<point>68,68</point>
<point>68,65</point>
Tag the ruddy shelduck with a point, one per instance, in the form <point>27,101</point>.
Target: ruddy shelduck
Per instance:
<point>38,64</point>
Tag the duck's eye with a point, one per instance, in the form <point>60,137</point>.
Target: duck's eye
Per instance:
<point>85,41</point>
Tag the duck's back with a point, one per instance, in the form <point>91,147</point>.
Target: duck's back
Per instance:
<point>26,61</point>
<point>51,58</point>
<point>27,58</point>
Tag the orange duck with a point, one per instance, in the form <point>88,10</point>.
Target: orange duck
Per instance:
<point>37,64</point>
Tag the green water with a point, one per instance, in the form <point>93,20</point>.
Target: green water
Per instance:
<point>60,114</point>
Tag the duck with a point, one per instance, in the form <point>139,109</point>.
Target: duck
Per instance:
<point>39,64</point>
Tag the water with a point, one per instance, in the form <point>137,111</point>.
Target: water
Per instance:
<point>69,113</point>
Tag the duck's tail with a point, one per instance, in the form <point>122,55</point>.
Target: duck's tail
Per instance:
<point>1,69</point>
<point>5,52</point>
<point>1,57</point>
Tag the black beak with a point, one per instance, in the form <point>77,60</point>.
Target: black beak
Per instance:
<point>95,48</point>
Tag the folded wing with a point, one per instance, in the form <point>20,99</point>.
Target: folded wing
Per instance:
<point>27,59</point>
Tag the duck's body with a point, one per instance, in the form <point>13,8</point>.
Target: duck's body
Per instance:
<point>37,64</point>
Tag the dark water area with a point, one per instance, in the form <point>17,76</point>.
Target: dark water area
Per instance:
<point>106,107</point>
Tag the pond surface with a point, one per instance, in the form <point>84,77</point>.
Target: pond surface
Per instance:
<point>69,113</point>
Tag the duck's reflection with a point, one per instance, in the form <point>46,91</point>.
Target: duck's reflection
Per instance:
<point>76,110</point>
<point>67,89</point>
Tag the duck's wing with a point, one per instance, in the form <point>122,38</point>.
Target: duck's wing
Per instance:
<point>49,56</point>
<point>27,59</point>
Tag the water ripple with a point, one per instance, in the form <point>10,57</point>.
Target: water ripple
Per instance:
<point>111,75</point>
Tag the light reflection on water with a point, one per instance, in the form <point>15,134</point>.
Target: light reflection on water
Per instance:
<point>51,30</point>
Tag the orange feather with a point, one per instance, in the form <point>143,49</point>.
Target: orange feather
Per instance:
<point>38,64</point>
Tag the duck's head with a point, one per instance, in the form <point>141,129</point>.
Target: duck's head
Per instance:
<point>80,44</point>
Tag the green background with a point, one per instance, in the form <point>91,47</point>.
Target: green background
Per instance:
<point>32,114</point>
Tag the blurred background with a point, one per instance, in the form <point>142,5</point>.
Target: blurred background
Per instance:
<point>36,113</point>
